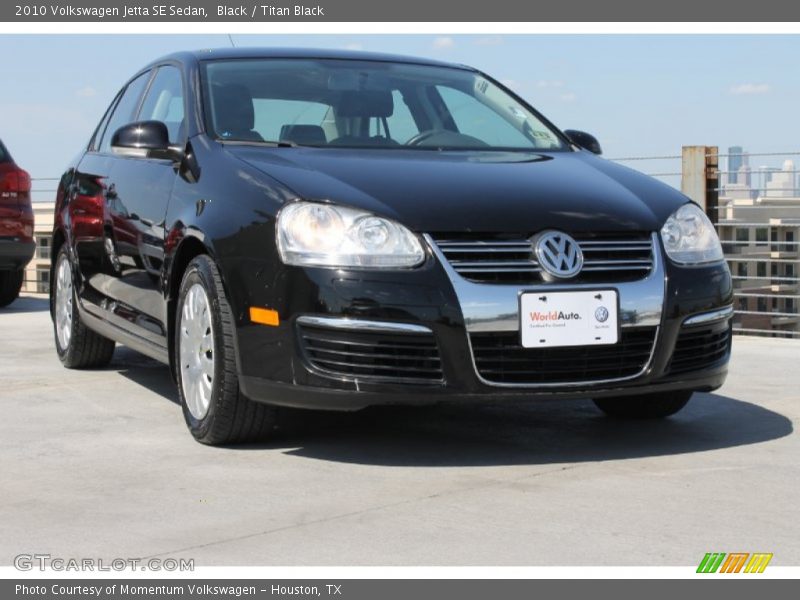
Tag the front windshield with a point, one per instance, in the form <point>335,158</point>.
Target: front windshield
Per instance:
<point>358,104</point>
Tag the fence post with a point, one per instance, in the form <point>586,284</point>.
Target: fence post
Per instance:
<point>700,177</point>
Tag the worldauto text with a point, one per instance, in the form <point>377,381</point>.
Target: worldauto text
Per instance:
<point>554,315</point>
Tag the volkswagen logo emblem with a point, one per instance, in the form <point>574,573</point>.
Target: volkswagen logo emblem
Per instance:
<point>558,255</point>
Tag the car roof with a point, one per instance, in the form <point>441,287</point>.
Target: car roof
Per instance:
<point>256,52</point>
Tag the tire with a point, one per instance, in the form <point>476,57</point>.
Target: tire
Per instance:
<point>78,346</point>
<point>214,408</point>
<point>646,406</point>
<point>10,286</point>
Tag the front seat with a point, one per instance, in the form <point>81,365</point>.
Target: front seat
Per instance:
<point>233,112</point>
<point>304,135</point>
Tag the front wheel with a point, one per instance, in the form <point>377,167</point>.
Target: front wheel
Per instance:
<point>78,346</point>
<point>646,406</point>
<point>215,410</point>
<point>10,286</point>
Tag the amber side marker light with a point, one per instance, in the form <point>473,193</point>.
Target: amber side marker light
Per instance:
<point>264,316</point>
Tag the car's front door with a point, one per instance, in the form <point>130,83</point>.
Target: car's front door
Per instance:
<point>138,194</point>
<point>88,202</point>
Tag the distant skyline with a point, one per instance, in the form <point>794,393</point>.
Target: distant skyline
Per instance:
<point>640,95</point>
<point>740,179</point>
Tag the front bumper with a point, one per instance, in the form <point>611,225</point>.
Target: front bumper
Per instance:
<point>15,254</point>
<point>275,365</point>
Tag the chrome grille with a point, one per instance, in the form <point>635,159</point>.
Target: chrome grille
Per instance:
<point>510,259</point>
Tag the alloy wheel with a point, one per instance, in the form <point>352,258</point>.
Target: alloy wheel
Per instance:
<point>63,303</point>
<point>196,351</point>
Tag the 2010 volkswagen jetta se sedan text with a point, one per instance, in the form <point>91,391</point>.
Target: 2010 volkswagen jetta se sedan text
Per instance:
<point>334,230</point>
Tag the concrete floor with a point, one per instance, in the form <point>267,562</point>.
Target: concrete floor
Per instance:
<point>99,464</point>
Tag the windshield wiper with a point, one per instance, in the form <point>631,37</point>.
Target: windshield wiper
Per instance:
<point>277,144</point>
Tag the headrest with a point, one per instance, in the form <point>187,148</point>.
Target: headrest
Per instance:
<point>311,135</point>
<point>365,103</point>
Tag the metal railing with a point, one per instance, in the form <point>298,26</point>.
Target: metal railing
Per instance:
<point>43,189</point>
<point>36,284</point>
<point>758,220</point>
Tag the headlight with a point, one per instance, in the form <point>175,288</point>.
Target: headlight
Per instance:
<point>689,237</point>
<point>314,234</point>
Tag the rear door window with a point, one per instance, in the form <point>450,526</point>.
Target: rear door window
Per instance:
<point>94,145</point>
<point>125,111</point>
<point>164,102</point>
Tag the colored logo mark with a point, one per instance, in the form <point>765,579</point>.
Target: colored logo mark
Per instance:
<point>735,562</point>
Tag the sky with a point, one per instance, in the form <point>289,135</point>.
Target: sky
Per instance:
<point>640,95</point>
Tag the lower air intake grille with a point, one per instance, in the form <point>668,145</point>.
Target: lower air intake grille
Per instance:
<point>500,358</point>
<point>701,347</point>
<point>378,356</point>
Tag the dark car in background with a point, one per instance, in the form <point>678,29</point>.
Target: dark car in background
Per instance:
<point>334,230</point>
<point>16,226</point>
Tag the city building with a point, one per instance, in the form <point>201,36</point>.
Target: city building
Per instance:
<point>760,233</point>
<point>782,183</point>
<point>761,179</point>
<point>742,189</point>
<point>37,273</point>
<point>736,160</point>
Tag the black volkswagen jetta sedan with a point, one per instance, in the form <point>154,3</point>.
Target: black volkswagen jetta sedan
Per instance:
<point>334,230</point>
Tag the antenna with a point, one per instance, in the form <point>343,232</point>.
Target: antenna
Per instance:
<point>230,39</point>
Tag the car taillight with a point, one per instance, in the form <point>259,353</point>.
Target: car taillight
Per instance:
<point>14,182</point>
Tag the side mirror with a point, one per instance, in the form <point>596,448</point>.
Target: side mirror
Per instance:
<point>585,140</point>
<point>144,139</point>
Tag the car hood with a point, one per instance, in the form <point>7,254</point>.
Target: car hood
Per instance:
<point>439,191</point>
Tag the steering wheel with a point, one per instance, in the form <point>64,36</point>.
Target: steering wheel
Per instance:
<point>444,137</point>
<point>417,139</point>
